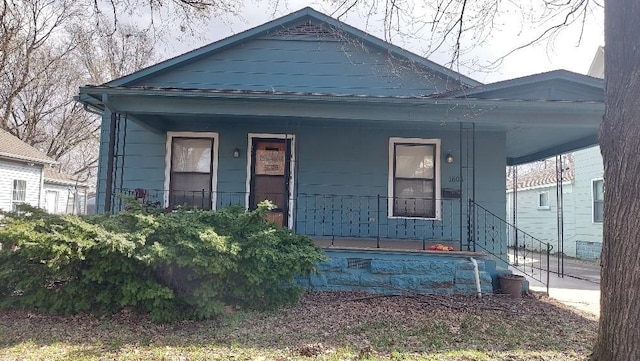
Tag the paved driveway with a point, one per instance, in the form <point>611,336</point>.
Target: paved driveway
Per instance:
<point>579,288</point>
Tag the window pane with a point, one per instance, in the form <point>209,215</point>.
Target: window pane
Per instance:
<point>598,211</point>
<point>191,190</point>
<point>598,201</point>
<point>414,198</point>
<point>543,199</point>
<point>598,190</point>
<point>414,161</point>
<point>191,155</point>
<point>19,190</point>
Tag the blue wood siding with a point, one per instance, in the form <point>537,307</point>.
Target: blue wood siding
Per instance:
<point>345,160</point>
<point>143,150</point>
<point>304,64</point>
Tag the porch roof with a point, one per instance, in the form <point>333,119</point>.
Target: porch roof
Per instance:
<point>535,129</point>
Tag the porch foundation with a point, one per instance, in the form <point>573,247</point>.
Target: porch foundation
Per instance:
<point>400,272</point>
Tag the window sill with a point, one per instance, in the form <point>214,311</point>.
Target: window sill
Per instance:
<point>416,218</point>
<point>544,208</point>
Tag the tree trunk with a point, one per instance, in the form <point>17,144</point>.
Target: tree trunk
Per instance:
<point>619,327</point>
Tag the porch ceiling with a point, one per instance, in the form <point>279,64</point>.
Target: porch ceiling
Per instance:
<point>534,129</point>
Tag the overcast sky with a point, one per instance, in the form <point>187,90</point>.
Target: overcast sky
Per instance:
<point>564,52</point>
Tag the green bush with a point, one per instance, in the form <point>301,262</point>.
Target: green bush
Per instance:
<point>186,264</point>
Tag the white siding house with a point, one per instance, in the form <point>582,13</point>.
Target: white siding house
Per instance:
<point>27,176</point>
<point>19,183</point>
<point>21,172</point>
<point>537,206</point>
<point>63,194</point>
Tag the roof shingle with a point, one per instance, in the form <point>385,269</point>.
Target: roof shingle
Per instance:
<point>12,147</point>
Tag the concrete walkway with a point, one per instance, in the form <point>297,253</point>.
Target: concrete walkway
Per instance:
<point>579,288</point>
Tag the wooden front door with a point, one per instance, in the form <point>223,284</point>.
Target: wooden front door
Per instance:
<point>270,176</point>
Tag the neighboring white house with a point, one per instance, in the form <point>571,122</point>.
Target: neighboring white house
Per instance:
<point>64,193</point>
<point>27,176</point>
<point>21,172</point>
<point>583,197</point>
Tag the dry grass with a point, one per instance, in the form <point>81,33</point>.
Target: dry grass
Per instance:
<point>324,326</point>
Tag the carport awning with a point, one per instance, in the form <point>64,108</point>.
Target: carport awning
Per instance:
<point>534,129</point>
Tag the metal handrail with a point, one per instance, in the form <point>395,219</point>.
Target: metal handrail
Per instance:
<point>531,256</point>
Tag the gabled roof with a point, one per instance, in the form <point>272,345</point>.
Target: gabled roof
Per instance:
<point>11,147</point>
<point>278,25</point>
<point>54,176</point>
<point>543,177</point>
<point>552,85</point>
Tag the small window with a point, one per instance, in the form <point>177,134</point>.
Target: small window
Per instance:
<point>191,172</point>
<point>413,181</point>
<point>598,200</point>
<point>19,194</point>
<point>543,200</point>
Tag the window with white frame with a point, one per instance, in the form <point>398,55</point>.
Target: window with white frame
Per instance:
<point>191,172</point>
<point>19,193</point>
<point>598,200</point>
<point>543,200</point>
<point>414,182</point>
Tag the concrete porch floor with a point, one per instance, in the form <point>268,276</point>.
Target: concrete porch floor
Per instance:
<point>385,244</point>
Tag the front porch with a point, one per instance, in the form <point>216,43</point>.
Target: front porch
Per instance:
<point>335,220</point>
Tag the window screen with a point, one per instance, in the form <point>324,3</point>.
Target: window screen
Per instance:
<point>414,180</point>
<point>191,170</point>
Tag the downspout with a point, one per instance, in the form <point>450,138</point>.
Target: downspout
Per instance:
<point>476,273</point>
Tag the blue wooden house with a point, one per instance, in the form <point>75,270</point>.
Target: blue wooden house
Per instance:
<point>356,141</point>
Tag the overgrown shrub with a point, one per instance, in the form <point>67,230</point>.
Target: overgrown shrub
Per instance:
<point>186,264</point>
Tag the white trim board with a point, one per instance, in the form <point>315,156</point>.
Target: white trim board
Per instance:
<point>214,162</point>
<point>438,176</point>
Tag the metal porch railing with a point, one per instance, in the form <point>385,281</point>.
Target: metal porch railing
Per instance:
<point>331,216</point>
<point>508,245</point>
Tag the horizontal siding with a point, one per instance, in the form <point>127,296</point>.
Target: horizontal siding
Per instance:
<point>67,203</point>
<point>331,159</point>
<point>588,163</point>
<point>15,170</point>
<point>144,159</point>
<point>320,65</point>
<point>578,207</point>
<point>542,223</point>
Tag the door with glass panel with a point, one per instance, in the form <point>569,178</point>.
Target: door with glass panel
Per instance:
<point>191,173</point>
<point>270,159</point>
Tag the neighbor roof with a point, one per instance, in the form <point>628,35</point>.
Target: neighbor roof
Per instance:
<point>279,24</point>
<point>52,175</point>
<point>12,147</point>
<point>543,177</point>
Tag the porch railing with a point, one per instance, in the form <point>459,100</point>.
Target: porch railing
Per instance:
<point>350,216</point>
<point>508,244</point>
<point>331,216</point>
